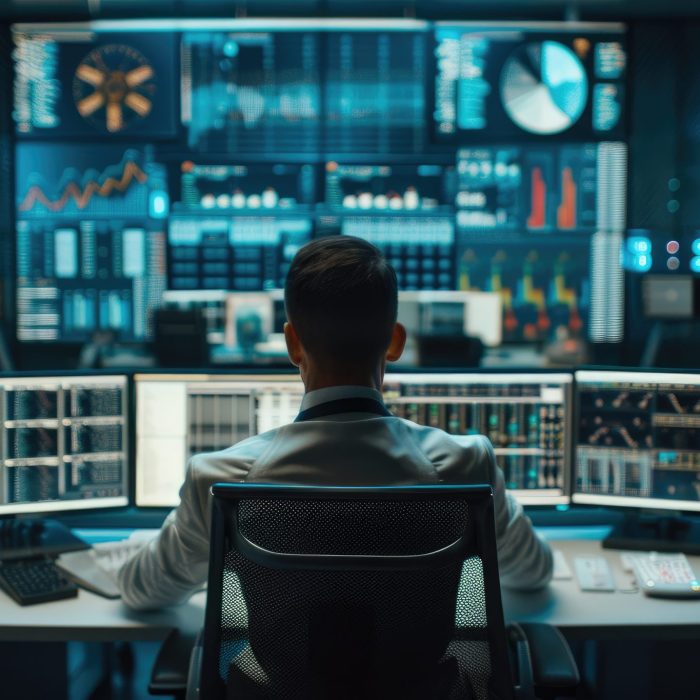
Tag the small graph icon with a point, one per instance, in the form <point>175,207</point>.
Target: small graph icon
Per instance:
<point>113,87</point>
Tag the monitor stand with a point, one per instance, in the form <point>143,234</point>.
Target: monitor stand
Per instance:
<point>656,533</point>
<point>22,538</point>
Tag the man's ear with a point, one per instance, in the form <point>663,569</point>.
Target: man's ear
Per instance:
<point>398,342</point>
<point>294,349</point>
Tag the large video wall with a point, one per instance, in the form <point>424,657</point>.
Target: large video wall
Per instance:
<point>199,155</point>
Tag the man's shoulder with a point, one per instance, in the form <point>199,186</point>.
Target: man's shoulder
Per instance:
<point>453,455</point>
<point>425,433</point>
<point>235,461</point>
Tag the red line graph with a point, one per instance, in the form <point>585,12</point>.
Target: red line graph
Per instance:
<point>82,197</point>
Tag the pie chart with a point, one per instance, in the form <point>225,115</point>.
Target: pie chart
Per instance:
<point>544,87</point>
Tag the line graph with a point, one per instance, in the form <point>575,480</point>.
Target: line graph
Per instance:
<point>82,197</point>
<point>118,189</point>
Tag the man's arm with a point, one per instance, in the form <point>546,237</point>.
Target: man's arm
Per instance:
<point>173,565</point>
<point>176,563</point>
<point>524,560</point>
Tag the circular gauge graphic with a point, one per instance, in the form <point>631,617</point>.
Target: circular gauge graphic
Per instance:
<point>544,87</point>
<point>114,87</point>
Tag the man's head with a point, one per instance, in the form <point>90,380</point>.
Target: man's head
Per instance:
<point>341,298</point>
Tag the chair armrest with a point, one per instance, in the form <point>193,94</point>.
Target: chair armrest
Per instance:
<point>554,670</point>
<point>171,667</point>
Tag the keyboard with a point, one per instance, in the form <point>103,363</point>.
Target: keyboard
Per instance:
<point>664,575</point>
<point>97,569</point>
<point>30,581</point>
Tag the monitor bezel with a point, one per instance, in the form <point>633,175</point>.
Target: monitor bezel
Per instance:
<point>45,508</point>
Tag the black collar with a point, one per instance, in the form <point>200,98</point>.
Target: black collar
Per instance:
<point>350,405</point>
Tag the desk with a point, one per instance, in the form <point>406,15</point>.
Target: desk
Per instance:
<point>604,615</point>
<point>590,615</point>
<point>91,618</point>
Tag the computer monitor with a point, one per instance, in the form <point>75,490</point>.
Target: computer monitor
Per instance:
<point>476,314</point>
<point>180,415</point>
<point>637,440</point>
<point>64,443</point>
<point>526,416</point>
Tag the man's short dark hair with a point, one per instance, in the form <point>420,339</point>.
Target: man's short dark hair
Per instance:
<point>341,297</point>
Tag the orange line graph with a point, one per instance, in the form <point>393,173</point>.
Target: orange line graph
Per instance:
<point>82,197</point>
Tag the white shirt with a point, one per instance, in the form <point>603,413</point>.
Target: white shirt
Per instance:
<point>352,449</point>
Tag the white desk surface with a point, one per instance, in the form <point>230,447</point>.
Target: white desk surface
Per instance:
<point>91,618</point>
<point>599,614</point>
<point>586,614</point>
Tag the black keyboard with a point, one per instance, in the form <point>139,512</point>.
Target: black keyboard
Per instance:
<point>29,581</point>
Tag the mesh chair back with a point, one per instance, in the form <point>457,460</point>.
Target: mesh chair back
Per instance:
<point>338,592</point>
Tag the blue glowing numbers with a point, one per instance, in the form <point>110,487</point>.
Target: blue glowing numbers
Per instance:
<point>647,250</point>
<point>637,255</point>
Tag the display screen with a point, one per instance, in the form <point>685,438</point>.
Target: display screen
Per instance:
<point>178,416</point>
<point>527,81</point>
<point>638,440</point>
<point>527,418</point>
<point>199,156</point>
<point>64,443</point>
<point>90,241</point>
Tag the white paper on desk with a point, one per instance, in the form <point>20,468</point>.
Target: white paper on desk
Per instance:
<point>82,568</point>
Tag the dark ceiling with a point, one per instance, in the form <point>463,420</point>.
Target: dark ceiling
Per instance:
<point>429,9</point>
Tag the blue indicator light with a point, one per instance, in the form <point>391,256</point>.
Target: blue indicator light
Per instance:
<point>695,245</point>
<point>639,244</point>
<point>695,265</point>
<point>159,205</point>
<point>641,263</point>
<point>231,49</point>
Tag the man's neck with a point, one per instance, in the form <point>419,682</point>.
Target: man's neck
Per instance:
<point>314,379</point>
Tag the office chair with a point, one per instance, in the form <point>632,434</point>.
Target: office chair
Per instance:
<point>344,592</point>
